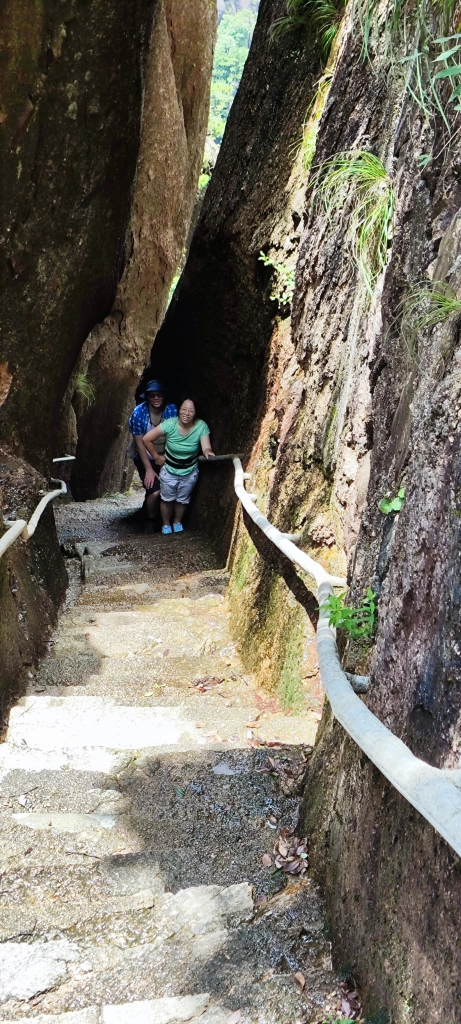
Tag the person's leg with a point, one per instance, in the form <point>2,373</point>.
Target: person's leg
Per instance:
<point>179,511</point>
<point>185,487</point>
<point>152,501</point>
<point>166,509</point>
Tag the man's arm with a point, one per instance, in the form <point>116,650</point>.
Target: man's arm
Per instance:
<point>141,450</point>
<point>149,439</point>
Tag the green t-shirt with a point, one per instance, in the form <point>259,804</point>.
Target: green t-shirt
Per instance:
<point>182,450</point>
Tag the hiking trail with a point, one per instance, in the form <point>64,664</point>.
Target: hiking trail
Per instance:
<point>137,807</point>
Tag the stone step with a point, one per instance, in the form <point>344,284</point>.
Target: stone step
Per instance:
<point>169,1010</point>
<point>205,937</point>
<point>96,734</point>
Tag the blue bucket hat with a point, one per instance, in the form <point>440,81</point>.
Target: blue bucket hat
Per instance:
<point>154,385</point>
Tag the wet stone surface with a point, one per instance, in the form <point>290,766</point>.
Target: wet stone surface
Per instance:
<point>136,808</point>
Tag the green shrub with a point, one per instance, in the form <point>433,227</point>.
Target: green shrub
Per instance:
<point>358,622</point>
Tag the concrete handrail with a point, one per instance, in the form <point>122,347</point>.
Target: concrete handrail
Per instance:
<point>21,528</point>
<point>318,573</point>
<point>435,792</point>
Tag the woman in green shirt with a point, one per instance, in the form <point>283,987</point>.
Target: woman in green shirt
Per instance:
<point>185,437</point>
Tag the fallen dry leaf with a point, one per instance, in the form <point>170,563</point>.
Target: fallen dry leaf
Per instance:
<point>205,683</point>
<point>253,725</point>
<point>290,854</point>
<point>289,773</point>
<point>300,979</point>
<point>200,725</point>
<point>267,860</point>
<point>350,1001</point>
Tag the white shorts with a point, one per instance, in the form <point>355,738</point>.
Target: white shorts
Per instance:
<point>177,488</point>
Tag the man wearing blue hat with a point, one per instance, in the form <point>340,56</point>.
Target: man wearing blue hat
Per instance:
<point>150,414</point>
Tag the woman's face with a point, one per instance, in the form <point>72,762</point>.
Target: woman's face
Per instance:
<point>187,412</point>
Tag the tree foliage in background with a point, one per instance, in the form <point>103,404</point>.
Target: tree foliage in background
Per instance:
<point>233,43</point>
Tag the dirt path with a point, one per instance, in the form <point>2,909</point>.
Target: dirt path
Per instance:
<point>136,808</point>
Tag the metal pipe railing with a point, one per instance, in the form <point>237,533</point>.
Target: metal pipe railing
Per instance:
<point>22,528</point>
<point>435,792</point>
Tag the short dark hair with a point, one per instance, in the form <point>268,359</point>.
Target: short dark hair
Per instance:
<point>189,398</point>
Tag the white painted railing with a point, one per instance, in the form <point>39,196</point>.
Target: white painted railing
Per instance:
<point>22,528</point>
<point>435,792</point>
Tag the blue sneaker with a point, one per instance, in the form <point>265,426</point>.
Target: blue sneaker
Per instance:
<point>167,529</point>
<point>178,528</point>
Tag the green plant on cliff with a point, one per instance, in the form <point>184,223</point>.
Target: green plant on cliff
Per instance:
<point>315,18</point>
<point>426,307</point>
<point>392,504</point>
<point>405,39</point>
<point>452,70</point>
<point>284,287</point>
<point>358,622</point>
<point>355,186</point>
<point>85,388</point>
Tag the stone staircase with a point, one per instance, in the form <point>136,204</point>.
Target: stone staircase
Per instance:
<point>135,808</point>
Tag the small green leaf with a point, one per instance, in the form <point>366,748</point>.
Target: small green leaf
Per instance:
<point>447,53</point>
<point>447,39</point>
<point>451,72</point>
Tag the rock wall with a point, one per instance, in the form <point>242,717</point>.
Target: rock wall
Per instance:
<point>32,579</point>
<point>102,125</point>
<point>335,409</point>
<point>216,337</point>
<point>72,84</point>
<point>94,99</point>
<point>175,116</point>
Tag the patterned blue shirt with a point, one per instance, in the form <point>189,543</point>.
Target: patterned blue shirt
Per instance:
<point>139,422</point>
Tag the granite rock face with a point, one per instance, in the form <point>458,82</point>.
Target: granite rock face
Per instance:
<point>103,120</point>
<point>104,113</point>
<point>173,130</point>
<point>335,409</point>
<point>72,88</point>
<point>216,336</point>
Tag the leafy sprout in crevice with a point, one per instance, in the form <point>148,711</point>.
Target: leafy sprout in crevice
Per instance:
<point>203,181</point>
<point>85,388</point>
<point>358,622</point>
<point>356,186</point>
<point>284,287</point>
<point>392,504</point>
<point>319,18</point>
